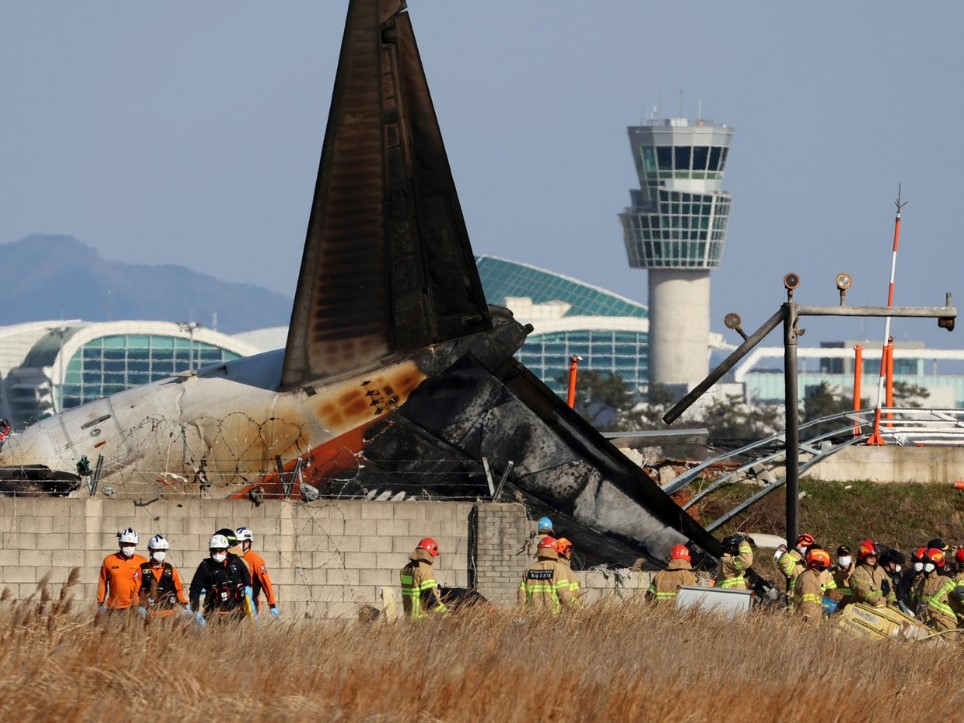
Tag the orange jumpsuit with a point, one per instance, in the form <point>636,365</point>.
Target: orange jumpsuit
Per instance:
<point>120,581</point>
<point>260,580</point>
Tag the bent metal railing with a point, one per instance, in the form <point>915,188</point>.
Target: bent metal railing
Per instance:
<point>899,426</point>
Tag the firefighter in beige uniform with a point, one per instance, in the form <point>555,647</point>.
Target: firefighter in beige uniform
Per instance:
<point>545,583</point>
<point>666,583</point>
<point>736,560</point>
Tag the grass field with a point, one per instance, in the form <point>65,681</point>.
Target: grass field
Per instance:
<point>611,662</point>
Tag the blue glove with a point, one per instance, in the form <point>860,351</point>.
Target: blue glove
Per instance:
<point>829,606</point>
<point>101,610</point>
<point>142,611</point>
<point>199,619</point>
<point>275,613</point>
<point>187,610</point>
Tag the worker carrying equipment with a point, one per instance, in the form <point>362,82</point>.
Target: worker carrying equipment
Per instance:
<point>735,561</point>
<point>421,595</point>
<point>679,572</point>
<point>545,586</point>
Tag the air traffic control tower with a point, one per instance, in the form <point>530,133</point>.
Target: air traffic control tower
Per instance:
<point>676,227</point>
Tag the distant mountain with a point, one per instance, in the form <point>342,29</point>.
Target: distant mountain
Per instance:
<point>59,277</point>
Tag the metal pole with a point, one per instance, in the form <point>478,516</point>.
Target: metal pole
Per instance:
<point>741,351</point>
<point>792,410</point>
<point>858,376</point>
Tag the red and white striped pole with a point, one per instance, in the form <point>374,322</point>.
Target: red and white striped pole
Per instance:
<point>875,438</point>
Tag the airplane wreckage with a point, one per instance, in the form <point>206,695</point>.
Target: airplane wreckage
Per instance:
<point>397,379</point>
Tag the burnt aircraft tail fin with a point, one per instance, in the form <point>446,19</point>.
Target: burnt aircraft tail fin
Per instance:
<point>387,266</point>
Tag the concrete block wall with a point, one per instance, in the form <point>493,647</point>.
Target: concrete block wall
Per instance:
<point>501,537</point>
<point>327,558</point>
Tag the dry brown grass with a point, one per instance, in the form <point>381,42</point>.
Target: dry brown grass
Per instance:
<point>616,662</point>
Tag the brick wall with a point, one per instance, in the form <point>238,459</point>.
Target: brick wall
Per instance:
<point>327,558</point>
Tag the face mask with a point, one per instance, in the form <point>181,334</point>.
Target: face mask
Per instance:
<point>127,551</point>
<point>159,555</point>
<point>928,567</point>
<point>918,566</point>
<point>801,549</point>
<point>219,556</point>
<point>896,568</point>
<point>844,561</point>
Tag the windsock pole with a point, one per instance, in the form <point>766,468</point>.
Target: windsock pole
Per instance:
<point>876,438</point>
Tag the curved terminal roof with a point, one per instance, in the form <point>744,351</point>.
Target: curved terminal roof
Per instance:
<point>503,279</point>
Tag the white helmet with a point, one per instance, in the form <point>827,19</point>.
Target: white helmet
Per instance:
<point>158,542</point>
<point>218,542</point>
<point>128,536</point>
<point>245,534</point>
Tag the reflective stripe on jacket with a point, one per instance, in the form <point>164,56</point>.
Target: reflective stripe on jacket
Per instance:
<point>420,591</point>
<point>867,586</point>
<point>933,600</point>
<point>666,583</point>
<point>545,584</point>
<point>732,568</point>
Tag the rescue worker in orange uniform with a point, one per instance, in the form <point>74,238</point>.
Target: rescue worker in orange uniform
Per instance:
<point>735,561</point>
<point>421,594</point>
<point>933,592</point>
<point>793,562</point>
<point>161,589</point>
<point>564,548</point>
<point>260,580</point>
<point>120,575</point>
<point>870,584</point>
<point>545,586</point>
<point>226,584</point>
<point>812,585</point>
<point>666,583</point>
<point>842,573</point>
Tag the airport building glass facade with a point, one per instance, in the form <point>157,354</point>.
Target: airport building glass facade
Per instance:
<point>608,331</point>
<point>111,364</point>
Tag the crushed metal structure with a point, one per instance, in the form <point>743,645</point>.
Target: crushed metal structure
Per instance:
<point>397,380</point>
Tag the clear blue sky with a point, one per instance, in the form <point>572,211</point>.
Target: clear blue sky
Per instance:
<point>190,133</point>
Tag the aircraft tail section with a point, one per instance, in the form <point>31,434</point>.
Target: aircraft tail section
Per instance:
<point>387,265</point>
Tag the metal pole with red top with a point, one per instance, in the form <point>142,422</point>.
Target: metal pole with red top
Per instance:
<point>876,438</point>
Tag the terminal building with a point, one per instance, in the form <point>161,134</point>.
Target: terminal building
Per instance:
<point>47,367</point>
<point>676,228</point>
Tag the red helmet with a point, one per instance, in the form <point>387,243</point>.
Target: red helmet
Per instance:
<point>563,546</point>
<point>818,558</point>
<point>936,556</point>
<point>959,555</point>
<point>547,542</point>
<point>680,552</point>
<point>868,548</point>
<point>429,545</point>
<point>919,554</point>
<point>805,540</point>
